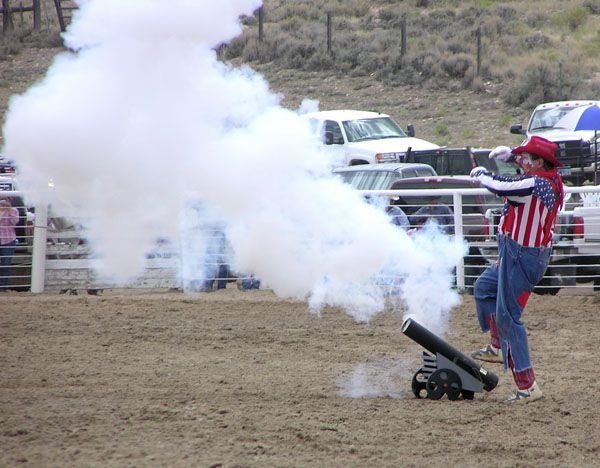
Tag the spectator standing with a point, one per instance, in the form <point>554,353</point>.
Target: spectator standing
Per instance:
<point>526,228</point>
<point>217,259</point>
<point>9,217</point>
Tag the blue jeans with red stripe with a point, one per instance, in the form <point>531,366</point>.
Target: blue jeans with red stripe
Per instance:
<point>502,291</point>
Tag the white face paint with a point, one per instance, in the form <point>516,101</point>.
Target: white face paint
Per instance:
<point>525,162</point>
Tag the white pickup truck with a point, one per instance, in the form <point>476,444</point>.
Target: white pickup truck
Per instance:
<point>575,148</point>
<point>586,224</point>
<point>361,137</point>
<point>586,239</point>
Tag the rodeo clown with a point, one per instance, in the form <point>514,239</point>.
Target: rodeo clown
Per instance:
<point>532,201</point>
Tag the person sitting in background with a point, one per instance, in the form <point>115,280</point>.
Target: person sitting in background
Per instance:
<point>9,218</point>
<point>248,282</point>
<point>397,215</point>
<point>435,212</point>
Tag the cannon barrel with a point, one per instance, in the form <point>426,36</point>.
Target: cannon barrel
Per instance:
<point>436,345</point>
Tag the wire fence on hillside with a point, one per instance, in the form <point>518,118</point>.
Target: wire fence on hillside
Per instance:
<point>32,14</point>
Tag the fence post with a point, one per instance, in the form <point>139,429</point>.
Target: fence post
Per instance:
<point>478,34</point>
<point>59,14</point>
<point>7,23</point>
<point>38,257</point>
<point>560,78</point>
<point>329,32</point>
<point>458,234</point>
<point>261,23</point>
<point>37,15</point>
<point>403,36</point>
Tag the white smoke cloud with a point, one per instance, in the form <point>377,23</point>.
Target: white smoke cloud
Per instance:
<point>144,118</point>
<point>376,379</point>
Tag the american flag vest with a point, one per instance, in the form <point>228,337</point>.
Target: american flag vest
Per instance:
<point>531,208</point>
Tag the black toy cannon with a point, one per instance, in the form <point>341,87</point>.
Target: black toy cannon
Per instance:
<point>447,371</point>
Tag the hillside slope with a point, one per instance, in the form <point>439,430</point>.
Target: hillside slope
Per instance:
<point>453,118</point>
<point>531,53</point>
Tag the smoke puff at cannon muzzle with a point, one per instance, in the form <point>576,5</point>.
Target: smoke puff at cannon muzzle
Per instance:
<point>436,345</point>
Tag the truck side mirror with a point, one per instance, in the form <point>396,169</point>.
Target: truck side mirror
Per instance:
<point>517,129</point>
<point>329,138</point>
<point>410,130</point>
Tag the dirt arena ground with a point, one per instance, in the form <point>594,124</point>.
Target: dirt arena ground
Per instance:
<point>159,378</point>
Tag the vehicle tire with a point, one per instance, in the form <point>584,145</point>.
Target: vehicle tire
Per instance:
<point>546,291</point>
<point>545,288</point>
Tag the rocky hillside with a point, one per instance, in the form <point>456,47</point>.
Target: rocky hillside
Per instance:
<point>528,55</point>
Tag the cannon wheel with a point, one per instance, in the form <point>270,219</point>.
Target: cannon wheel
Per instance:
<point>443,382</point>
<point>419,384</point>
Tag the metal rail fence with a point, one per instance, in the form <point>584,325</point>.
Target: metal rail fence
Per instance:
<point>54,256</point>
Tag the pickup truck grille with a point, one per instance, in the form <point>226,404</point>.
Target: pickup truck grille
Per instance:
<point>574,154</point>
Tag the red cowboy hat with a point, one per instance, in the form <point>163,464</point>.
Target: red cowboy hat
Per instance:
<point>541,147</point>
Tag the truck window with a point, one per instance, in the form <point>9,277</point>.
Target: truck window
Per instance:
<point>459,164</point>
<point>406,173</point>
<point>336,132</point>
<point>417,172</point>
<point>382,180</point>
<point>372,129</point>
<point>365,180</point>
<point>546,118</point>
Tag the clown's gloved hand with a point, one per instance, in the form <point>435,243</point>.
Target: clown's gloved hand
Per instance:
<point>503,153</point>
<point>477,171</point>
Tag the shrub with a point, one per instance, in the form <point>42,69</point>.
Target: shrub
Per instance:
<point>504,120</point>
<point>441,47</point>
<point>456,66</point>
<point>573,18</point>
<point>593,6</point>
<point>9,45</point>
<point>236,47</point>
<point>357,8</point>
<point>320,60</point>
<point>477,85</point>
<point>592,48</point>
<point>300,9</point>
<point>507,13</point>
<point>535,18</point>
<point>467,133</point>
<point>290,24</point>
<point>441,132</point>
<point>456,46</point>
<point>543,82</point>
<point>45,39</point>
<point>536,40</point>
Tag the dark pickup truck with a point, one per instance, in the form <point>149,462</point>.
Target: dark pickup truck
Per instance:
<point>458,161</point>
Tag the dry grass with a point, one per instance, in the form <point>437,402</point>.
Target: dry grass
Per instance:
<point>441,51</point>
<point>529,55</point>
<point>23,35</point>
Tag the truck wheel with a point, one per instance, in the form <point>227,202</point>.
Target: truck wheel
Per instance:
<point>546,291</point>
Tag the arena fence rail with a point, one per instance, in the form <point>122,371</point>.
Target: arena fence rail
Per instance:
<point>54,256</point>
